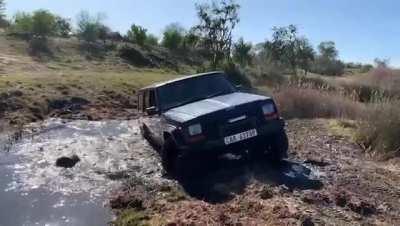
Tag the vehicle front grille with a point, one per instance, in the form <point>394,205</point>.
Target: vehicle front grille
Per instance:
<point>237,127</point>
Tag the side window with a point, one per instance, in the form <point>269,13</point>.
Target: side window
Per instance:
<point>152,98</point>
<point>149,99</point>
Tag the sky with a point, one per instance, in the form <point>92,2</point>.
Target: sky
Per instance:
<point>362,30</point>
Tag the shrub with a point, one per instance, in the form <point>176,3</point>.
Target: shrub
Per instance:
<point>297,102</point>
<point>137,34</point>
<point>88,26</point>
<point>151,40</point>
<point>326,66</point>
<point>22,23</point>
<point>173,36</point>
<point>236,75</point>
<point>379,132</point>
<point>43,23</point>
<point>63,27</point>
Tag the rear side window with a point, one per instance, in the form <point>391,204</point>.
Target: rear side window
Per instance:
<point>149,99</point>
<point>140,102</point>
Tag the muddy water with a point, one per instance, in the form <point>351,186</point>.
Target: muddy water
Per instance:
<point>33,191</point>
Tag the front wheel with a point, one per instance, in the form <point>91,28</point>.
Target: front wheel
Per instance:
<point>279,146</point>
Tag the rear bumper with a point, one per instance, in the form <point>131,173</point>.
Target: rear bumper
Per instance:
<point>218,147</point>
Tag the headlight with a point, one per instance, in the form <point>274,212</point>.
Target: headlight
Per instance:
<point>195,130</point>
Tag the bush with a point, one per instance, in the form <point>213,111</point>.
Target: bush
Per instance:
<point>63,27</point>
<point>296,102</point>
<point>38,45</point>
<point>379,132</point>
<point>43,23</point>
<point>151,40</point>
<point>327,66</point>
<point>173,36</point>
<point>236,75</point>
<point>137,35</point>
<point>88,26</point>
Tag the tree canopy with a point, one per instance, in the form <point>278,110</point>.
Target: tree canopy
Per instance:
<point>217,22</point>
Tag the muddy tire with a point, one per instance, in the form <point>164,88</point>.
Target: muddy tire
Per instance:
<point>278,147</point>
<point>170,158</point>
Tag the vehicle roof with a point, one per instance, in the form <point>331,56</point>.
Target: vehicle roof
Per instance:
<point>156,85</point>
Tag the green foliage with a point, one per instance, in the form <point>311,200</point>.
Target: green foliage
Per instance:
<point>191,39</point>
<point>328,50</point>
<point>63,27</point>
<point>131,217</point>
<point>288,49</point>
<point>88,26</point>
<point>217,22</point>
<point>43,23</point>
<point>173,36</point>
<point>242,53</point>
<point>305,54</point>
<point>151,40</point>
<point>22,23</point>
<point>326,62</point>
<point>137,34</point>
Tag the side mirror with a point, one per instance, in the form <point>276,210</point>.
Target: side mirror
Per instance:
<point>151,110</point>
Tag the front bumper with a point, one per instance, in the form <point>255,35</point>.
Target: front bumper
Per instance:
<point>218,147</point>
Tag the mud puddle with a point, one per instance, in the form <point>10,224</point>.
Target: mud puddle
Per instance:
<point>33,191</point>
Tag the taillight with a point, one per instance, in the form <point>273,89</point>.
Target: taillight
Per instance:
<point>269,111</point>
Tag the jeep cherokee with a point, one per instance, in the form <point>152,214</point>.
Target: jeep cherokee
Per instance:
<point>205,114</point>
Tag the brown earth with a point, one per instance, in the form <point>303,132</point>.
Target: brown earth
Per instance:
<point>327,180</point>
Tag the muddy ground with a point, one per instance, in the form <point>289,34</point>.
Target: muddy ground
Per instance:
<point>327,179</point>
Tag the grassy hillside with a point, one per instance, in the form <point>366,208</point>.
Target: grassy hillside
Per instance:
<point>29,85</point>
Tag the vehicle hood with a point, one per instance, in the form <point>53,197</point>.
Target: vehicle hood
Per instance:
<point>199,108</point>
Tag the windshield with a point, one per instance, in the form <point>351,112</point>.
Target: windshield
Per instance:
<point>193,89</point>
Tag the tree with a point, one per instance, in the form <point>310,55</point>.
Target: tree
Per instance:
<point>63,27</point>
<point>289,49</point>
<point>151,40</point>
<point>43,23</point>
<point>328,50</point>
<point>103,32</point>
<point>305,54</point>
<point>191,39</point>
<point>326,63</point>
<point>381,63</point>
<point>3,20</point>
<point>173,36</point>
<point>217,21</point>
<point>22,23</point>
<point>241,52</point>
<point>89,26</point>
<point>137,34</point>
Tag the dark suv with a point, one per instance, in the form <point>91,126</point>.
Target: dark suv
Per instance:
<point>205,114</point>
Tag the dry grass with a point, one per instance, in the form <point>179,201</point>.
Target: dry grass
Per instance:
<point>294,102</point>
<point>379,131</point>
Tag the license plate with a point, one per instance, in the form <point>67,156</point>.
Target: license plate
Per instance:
<point>240,136</point>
